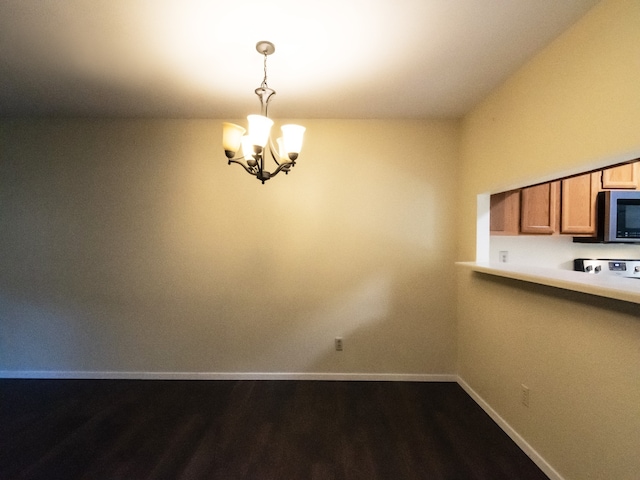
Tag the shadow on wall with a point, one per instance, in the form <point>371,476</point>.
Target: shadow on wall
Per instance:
<point>383,326</point>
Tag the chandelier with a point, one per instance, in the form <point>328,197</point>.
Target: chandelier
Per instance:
<point>256,146</point>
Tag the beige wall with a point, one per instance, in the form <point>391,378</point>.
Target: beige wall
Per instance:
<point>573,107</point>
<point>130,245</point>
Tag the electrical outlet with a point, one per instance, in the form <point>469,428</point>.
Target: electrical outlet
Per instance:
<point>339,345</point>
<point>504,256</point>
<point>524,395</point>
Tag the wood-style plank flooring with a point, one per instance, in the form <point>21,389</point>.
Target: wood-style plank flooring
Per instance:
<point>285,430</point>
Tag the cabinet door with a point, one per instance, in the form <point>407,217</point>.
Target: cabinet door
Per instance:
<point>622,176</point>
<point>578,204</point>
<point>505,213</point>
<point>539,209</point>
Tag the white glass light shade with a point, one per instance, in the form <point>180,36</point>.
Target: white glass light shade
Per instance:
<point>292,138</point>
<point>259,129</point>
<point>247,148</point>
<point>231,137</point>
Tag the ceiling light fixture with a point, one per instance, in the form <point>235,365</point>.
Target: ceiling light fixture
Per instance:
<point>257,142</point>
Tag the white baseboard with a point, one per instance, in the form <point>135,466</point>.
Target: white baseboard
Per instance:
<point>515,436</point>
<point>396,377</point>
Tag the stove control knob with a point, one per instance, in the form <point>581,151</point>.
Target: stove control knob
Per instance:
<point>588,268</point>
<point>636,270</point>
<point>598,268</point>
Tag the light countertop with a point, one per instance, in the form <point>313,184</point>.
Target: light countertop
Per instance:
<point>610,286</point>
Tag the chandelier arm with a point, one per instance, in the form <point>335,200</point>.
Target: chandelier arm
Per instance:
<point>260,173</point>
<point>271,150</point>
<point>252,170</point>
<point>285,167</point>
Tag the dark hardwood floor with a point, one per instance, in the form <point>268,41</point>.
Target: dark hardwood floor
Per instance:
<point>293,430</point>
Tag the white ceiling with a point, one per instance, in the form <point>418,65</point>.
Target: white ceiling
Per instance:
<point>333,59</point>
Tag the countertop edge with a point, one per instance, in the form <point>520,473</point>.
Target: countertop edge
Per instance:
<point>625,289</point>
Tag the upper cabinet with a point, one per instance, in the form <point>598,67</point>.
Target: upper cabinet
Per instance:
<point>578,204</point>
<point>539,209</point>
<point>565,207</point>
<point>505,213</point>
<point>622,176</point>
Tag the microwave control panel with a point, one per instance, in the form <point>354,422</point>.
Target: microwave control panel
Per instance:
<point>608,266</point>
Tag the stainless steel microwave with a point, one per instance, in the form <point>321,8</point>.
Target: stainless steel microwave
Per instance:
<point>620,218</point>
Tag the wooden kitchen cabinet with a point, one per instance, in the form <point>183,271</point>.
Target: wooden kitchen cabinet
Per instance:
<point>539,209</point>
<point>505,213</point>
<point>578,204</point>
<point>566,207</point>
<point>622,176</point>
